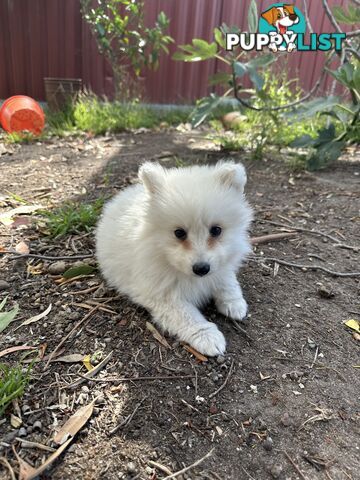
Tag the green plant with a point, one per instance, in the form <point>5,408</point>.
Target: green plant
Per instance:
<point>121,35</point>
<point>343,126</point>
<point>72,218</point>
<point>13,381</point>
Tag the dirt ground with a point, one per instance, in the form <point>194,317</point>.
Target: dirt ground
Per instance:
<point>289,406</point>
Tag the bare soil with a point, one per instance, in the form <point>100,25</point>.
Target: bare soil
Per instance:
<point>289,408</point>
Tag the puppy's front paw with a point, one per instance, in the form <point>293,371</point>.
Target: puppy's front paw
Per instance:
<point>235,309</point>
<point>208,341</point>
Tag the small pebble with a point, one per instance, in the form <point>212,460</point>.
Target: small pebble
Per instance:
<point>268,444</point>
<point>57,268</point>
<point>37,425</point>
<point>276,471</point>
<point>22,432</point>
<point>286,420</point>
<point>220,359</point>
<point>131,467</point>
<point>4,285</point>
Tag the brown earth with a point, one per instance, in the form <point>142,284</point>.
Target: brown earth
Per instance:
<point>289,408</point>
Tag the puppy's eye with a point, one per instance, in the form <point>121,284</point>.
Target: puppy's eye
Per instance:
<point>180,234</point>
<point>215,231</point>
<point>279,15</point>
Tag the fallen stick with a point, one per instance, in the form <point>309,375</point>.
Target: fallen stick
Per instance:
<point>89,375</point>
<point>128,419</point>
<point>307,267</point>
<point>79,323</point>
<point>212,395</point>
<point>274,237</point>
<point>295,466</point>
<point>134,379</point>
<point>160,467</point>
<point>18,256</point>
<point>313,232</point>
<point>186,469</point>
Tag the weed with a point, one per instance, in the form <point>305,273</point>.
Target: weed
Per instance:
<point>13,381</point>
<point>72,218</point>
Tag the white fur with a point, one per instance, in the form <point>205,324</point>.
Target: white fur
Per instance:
<point>140,256</point>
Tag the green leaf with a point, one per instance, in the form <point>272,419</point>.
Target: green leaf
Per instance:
<point>325,154</point>
<point>303,141</point>
<point>198,51</point>
<point>80,270</point>
<point>253,17</point>
<point>256,79</point>
<point>7,317</point>
<point>220,78</point>
<point>262,61</point>
<point>240,69</point>
<point>350,17</point>
<point>204,108</point>
<point>219,37</point>
<point>311,108</point>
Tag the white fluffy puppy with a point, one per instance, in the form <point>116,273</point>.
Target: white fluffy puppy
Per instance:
<point>177,240</point>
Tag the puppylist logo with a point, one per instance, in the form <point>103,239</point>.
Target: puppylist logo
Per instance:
<point>282,27</point>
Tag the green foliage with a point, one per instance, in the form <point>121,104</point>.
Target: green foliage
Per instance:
<point>350,17</point>
<point>199,50</point>
<point>7,317</point>
<point>21,137</point>
<point>253,17</point>
<point>13,381</point>
<point>72,218</point>
<point>99,116</point>
<point>263,129</point>
<point>121,35</point>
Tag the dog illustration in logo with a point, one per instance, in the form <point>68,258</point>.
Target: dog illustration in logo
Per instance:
<point>281,18</point>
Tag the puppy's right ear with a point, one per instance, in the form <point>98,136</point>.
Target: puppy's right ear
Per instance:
<point>270,15</point>
<point>152,176</point>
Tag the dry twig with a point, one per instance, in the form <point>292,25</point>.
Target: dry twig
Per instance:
<point>274,237</point>
<point>212,395</point>
<point>17,256</point>
<point>295,466</point>
<point>193,465</point>
<point>306,267</point>
<point>128,419</point>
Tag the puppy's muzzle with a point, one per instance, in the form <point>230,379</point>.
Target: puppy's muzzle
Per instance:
<point>201,269</point>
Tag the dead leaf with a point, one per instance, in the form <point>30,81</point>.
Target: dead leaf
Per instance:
<point>72,358</point>
<point>27,472</point>
<point>22,248</point>
<point>199,356</point>
<point>157,335</point>
<point>92,372</point>
<point>353,324</point>
<point>74,423</point>
<point>15,421</point>
<point>7,217</point>
<point>18,348</point>
<point>87,363</point>
<point>35,318</point>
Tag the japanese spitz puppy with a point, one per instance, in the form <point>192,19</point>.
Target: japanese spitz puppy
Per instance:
<point>174,242</point>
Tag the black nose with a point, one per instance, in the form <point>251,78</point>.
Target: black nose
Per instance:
<point>293,17</point>
<point>201,269</point>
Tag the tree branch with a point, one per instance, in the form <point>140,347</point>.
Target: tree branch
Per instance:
<point>306,10</point>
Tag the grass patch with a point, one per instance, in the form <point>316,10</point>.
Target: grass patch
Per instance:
<point>13,381</point>
<point>269,128</point>
<point>72,218</point>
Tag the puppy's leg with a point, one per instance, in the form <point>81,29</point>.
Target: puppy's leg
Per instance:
<point>229,299</point>
<point>186,322</point>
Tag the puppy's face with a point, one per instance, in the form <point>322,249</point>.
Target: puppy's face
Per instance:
<point>281,17</point>
<point>197,216</point>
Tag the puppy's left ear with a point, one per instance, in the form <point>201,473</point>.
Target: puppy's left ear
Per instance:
<point>232,175</point>
<point>152,176</point>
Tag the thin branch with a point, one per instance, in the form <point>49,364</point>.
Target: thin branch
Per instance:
<point>295,466</point>
<point>274,237</point>
<point>282,107</point>
<point>331,16</point>
<point>306,267</point>
<point>44,257</point>
<point>225,382</point>
<point>193,465</point>
<point>306,10</point>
